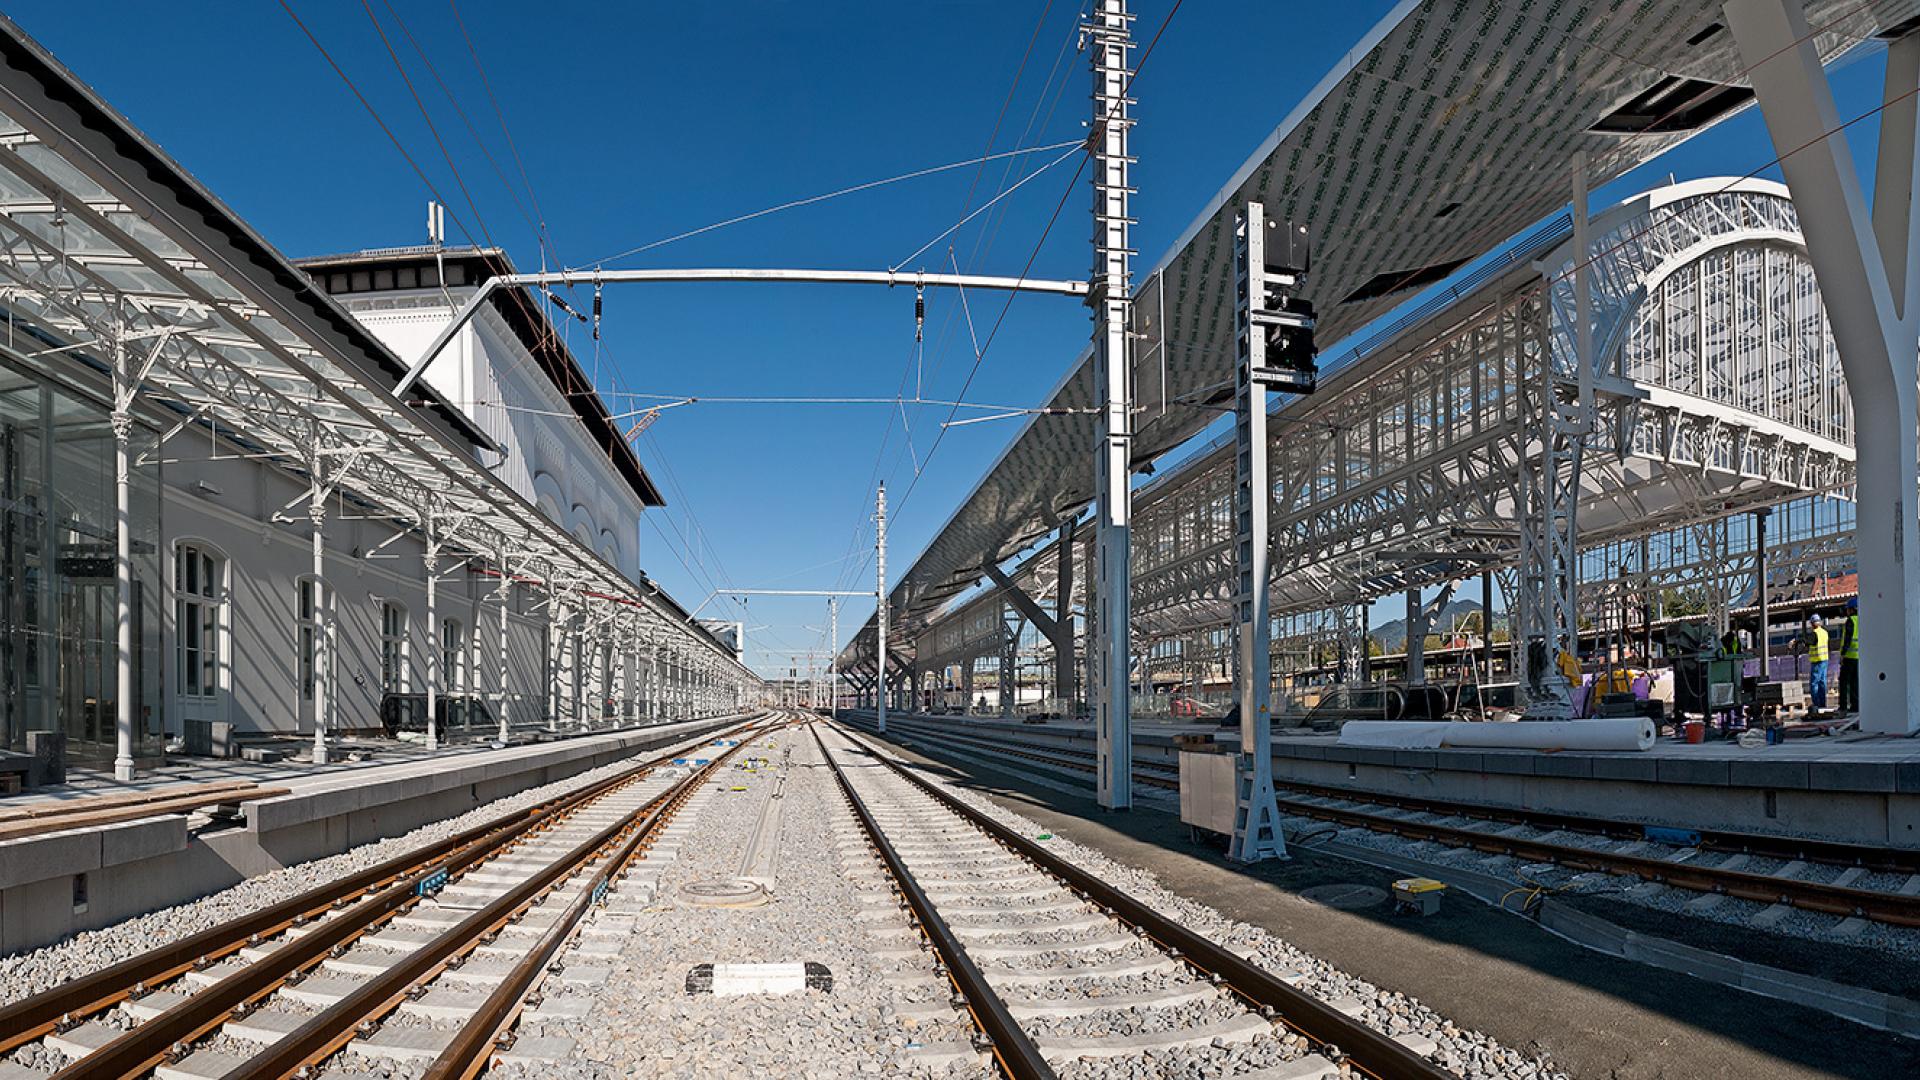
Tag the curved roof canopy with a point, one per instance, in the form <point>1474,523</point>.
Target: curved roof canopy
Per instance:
<point>1447,129</point>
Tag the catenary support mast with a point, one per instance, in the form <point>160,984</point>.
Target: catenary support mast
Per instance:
<point>1110,34</point>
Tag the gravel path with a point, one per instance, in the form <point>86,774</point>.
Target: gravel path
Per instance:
<point>1471,1054</point>
<point>882,1007</point>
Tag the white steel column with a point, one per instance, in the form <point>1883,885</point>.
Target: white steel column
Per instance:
<point>1110,31</point>
<point>556,652</point>
<point>1256,817</point>
<point>580,678</point>
<point>654,711</point>
<point>434,642</point>
<point>833,657</point>
<point>323,618</point>
<point>122,422</point>
<point>1868,268</point>
<point>506,605</point>
<point>880,605</point>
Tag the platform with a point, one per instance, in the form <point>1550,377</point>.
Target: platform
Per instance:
<point>128,868</point>
<point>1861,789</point>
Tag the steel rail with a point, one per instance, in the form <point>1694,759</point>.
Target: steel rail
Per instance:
<point>1334,1032</point>
<point>1832,852</point>
<point>1019,1058</point>
<point>150,1043</point>
<point>32,1017</point>
<point>469,1052</point>
<point>336,1025</point>
<point>1896,909</point>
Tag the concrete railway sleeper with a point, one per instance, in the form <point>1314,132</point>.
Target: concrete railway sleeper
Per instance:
<point>1832,898</point>
<point>30,1018</point>
<point>219,980</point>
<point>1040,949</point>
<point>472,1048</point>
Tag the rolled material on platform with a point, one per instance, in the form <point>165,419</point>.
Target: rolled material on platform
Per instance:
<point>1611,733</point>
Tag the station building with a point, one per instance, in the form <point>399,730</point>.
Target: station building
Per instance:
<point>283,511</point>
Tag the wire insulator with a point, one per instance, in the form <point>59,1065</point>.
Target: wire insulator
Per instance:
<point>919,311</point>
<point>596,311</point>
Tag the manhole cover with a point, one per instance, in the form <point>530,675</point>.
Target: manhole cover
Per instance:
<point>723,894</point>
<point>1345,895</point>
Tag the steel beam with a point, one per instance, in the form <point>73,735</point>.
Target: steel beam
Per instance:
<point>1866,267</point>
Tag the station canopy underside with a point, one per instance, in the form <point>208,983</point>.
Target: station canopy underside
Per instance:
<point>1449,128</point>
<point>1718,389</point>
<point>113,257</point>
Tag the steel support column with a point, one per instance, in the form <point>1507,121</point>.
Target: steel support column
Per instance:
<point>123,706</point>
<point>880,606</point>
<point>1868,268</point>
<point>1256,818</point>
<point>323,642</point>
<point>432,562</point>
<point>1111,40</point>
<point>506,605</point>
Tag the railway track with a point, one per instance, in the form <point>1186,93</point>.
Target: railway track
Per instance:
<point>1064,973</point>
<point>428,956</point>
<point>1639,854</point>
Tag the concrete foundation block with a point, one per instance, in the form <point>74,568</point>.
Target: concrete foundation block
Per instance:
<point>37,858</point>
<point>131,841</point>
<point>47,754</point>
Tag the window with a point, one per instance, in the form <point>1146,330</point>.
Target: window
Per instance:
<point>393,647</point>
<point>309,635</point>
<point>196,616</point>
<point>453,656</point>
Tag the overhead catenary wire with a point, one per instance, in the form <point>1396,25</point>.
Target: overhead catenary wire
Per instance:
<point>486,83</point>
<point>825,196</point>
<point>1000,320</point>
<point>517,297</point>
<point>1582,260</point>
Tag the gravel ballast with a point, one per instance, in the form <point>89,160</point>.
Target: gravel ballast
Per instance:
<point>37,970</point>
<point>1471,1054</point>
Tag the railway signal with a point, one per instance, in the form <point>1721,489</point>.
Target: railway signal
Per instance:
<point>1272,259</point>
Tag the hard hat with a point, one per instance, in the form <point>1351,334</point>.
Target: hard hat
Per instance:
<point>1815,617</point>
<point>1853,603</point>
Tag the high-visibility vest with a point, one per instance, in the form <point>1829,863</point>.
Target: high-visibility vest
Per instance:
<point>1850,640</point>
<point>1818,650</point>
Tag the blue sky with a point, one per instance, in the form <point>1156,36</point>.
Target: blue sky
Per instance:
<point>639,122</point>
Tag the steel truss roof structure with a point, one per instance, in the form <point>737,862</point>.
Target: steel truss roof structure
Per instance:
<point>1718,387</point>
<point>111,253</point>
<point>1447,129</point>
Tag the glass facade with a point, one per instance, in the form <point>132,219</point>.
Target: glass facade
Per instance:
<point>58,595</point>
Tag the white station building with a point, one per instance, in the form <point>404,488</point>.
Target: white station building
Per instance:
<point>291,544</point>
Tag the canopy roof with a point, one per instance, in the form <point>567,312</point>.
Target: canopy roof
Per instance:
<point>1449,128</point>
<point>111,255</point>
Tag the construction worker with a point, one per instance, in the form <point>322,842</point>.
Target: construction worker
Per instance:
<point>1569,666</point>
<point>1850,660</point>
<point>1817,661</point>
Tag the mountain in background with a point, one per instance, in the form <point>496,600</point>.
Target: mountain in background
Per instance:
<point>1392,636</point>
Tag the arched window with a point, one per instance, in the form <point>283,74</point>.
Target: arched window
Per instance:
<point>308,643</point>
<point>393,647</point>
<point>198,594</point>
<point>453,656</point>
